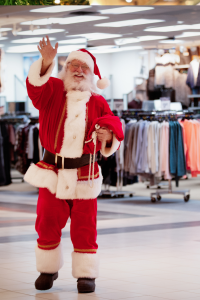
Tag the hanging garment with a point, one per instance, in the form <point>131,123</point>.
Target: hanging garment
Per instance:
<point>193,76</point>
<point>176,151</point>
<point>182,90</point>
<point>5,176</point>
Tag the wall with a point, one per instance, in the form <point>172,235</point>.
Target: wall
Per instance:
<point>12,66</point>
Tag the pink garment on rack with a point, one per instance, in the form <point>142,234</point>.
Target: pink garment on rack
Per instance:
<point>164,150</point>
<point>191,138</point>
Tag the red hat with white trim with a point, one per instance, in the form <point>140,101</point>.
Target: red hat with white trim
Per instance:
<point>87,57</point>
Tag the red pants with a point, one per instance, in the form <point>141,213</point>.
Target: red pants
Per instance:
<point>52,216</point>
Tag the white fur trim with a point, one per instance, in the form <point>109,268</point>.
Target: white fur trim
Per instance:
<point>49,261</point>
<point>105,151</point>
<point>103,83</point>
<point>34,73</point>
<point>69,188</point>
<point>67,181</point>
<point>84,191</point>
<point>74,127</point>
<point>85,265</point>
<point>43,178</point>
<point>82,56</point>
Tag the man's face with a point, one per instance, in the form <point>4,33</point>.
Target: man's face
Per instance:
<point>79,70</point>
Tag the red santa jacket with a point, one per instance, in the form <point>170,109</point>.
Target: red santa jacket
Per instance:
<point>65,120</point>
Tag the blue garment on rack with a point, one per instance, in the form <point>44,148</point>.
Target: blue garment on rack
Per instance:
<point>177,162</point>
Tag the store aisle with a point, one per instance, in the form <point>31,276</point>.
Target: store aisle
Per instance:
<point>148,252</point>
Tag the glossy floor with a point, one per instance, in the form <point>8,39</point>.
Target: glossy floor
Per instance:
<point>148,251</point>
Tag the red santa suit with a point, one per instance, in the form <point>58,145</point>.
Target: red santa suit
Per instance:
<point>65,121</point>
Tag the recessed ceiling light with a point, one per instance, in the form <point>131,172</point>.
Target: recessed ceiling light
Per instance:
<point>70,20</point>
<point>30,40</point>
<point>133,22</point>
<point>5,29</point>
<point>124,10</point>
<point>40,31</point>
<point>69,48</point>
<point>180,22</point>
<point>96,36</point>
<point>171,41</point>
<point>73,41</point>
<point>22,49</point>
<point>59,8</point>
<point>188,34</point>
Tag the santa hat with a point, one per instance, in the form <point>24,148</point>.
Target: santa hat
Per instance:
<point>87,57</point>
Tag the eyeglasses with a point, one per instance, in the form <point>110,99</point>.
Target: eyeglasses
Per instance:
<point>83,67</point>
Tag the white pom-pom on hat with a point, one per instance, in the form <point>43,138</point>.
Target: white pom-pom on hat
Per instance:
<point>103,83</point>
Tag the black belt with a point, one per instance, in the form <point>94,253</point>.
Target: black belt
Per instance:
<point>69,163</point>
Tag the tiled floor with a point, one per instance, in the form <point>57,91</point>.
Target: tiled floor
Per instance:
<point>148,251</point>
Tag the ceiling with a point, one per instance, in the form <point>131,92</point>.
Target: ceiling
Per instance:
<point>155,16</point>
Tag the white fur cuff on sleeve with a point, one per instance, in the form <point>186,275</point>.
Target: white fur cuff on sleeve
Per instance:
<point>41,178</point>
<point>105,151</point>
<point>34,73</point>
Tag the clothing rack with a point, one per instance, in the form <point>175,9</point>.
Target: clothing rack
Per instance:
<point>164,116</point>
<point>185,193</point>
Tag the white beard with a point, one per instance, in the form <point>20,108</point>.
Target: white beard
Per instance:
<point>87,84</point>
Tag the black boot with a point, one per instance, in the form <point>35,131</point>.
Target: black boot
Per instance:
<point>86,285</point>
<point>45,281</point>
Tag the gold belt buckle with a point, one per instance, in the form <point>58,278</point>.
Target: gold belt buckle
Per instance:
<point>56,160</point>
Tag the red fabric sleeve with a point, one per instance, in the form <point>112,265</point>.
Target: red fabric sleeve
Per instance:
<point>40,95</point>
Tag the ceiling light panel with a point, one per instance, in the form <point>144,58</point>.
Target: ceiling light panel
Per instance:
<point>120,42</point>
<point>96,36</point>
<point>59,8</point>
<point>124,10</point>
<point>30,40</point>
<point>63,21</point>
<point>46,21</point>
<point>114,50</point>
<point>171,41</point>
<point>139,39</point>
<point>3,38</point>
<point>22,49</point>
<point>188,34</point>
<point>5,29</point>
<point>132,22</point>
<point>151,38</point>
<point>69,48</point>
<point>39,31</point>
<point>73,41</point>
<point>173,28</point>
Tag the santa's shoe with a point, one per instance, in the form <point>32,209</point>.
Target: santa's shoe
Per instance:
<point>86,285</point>
<point>45,281</point>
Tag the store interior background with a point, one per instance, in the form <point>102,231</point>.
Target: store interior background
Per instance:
<point>148,251</point>
<point>121,63</point>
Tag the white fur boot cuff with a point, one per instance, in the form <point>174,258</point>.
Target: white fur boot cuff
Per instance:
<point>49,261</point>
<point>85,265</point>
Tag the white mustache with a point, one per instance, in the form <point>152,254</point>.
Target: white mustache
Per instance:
<point>80,74</point>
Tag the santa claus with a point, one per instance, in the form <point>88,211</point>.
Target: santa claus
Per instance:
<point>75,123</point>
